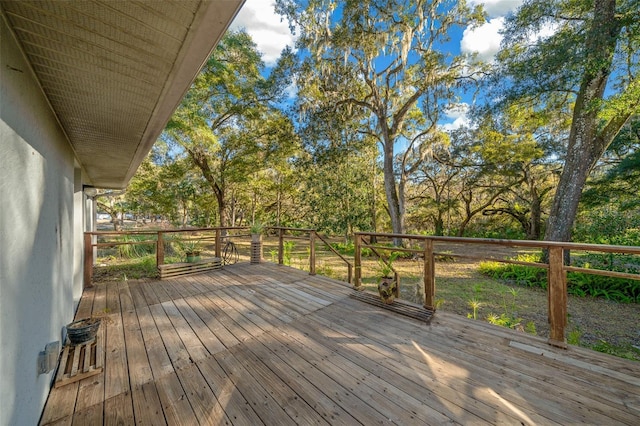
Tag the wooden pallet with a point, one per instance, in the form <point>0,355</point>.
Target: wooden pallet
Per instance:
<point>398,306</point>
<point>256,253</point>
<point>171,270</point>
<point>80,361</point>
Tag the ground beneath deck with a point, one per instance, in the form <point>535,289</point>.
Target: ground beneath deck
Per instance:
<point>267,344</point>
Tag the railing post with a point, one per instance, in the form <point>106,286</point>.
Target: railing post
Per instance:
<point>280,246</point>
<point>557,297</point>
<point>312,253</point>
<point>88,260</point>
<point>218,244</point>
<point>429,276</point>
<point>160,249</point>
<point>357,262</point>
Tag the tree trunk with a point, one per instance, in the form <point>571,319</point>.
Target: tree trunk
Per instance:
<point>392,194</point>
<point>535,219</point>
<point>373,204</point>
<point>395,210</point>
<point>279,201</point>
<point>200,159</point>
<point>586,146</point>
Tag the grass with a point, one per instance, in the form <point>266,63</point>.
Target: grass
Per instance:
<point>117,269</point>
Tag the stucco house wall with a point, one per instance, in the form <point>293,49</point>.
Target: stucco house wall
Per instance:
<point>41,222</point>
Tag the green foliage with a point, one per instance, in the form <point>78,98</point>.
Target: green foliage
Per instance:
<point>130,251</point>
<point>229,125</point>
<point>338,183</point>
<point>327,271</point>
<point>287,250</point>
<point>496,228</point>
<point>608,225</point>
<point>385,266</point>
<point>188,246</point>
<point>257,227</point>
<point>528,276</point>
<point>610,288</point>
<point>574,336</point>
<point>623,351</point>
<point>474,304</point>
<point>136,268</point>
<point>349,249</point>
<point>530,327</point>
<point>504,320</point>
<point>614,185</point>
<point>508,318</point>
<point>579,284</point>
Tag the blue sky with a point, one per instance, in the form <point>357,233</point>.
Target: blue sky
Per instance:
<point>271,34</point>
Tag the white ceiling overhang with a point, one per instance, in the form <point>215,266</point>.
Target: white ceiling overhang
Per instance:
<point>114,71</point>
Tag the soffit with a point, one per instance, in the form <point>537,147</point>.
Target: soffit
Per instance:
<point>114,71</point>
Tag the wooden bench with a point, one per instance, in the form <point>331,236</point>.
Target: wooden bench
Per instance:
<point>170,270</point>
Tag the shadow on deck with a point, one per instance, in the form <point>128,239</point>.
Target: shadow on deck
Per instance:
<point>268,344</point>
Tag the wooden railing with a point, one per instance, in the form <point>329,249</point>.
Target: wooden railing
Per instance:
<point>312,236</point>
<point>156,238</point>
<point>218,235</point>
<point>557,270</point>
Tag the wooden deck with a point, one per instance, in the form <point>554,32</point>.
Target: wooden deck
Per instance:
<point>267,344</point>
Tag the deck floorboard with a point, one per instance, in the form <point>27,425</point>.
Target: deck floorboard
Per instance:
<point>268,344</point>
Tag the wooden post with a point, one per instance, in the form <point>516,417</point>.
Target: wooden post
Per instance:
<point>349,273</point>
<point>160,249</point>
<point>88,260</point>
<point>557,297</point>
<point>218,242</point>
<point>280,246</point>
<point>312,253</point>
<point>357,281</point>
<point>429,276</point>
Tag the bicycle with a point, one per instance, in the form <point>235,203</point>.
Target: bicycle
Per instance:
<point>230,253</point>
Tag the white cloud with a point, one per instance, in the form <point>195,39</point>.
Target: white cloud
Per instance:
<point>496,8</point>
<point>270,33</point>
<point>547,30</point>
<point>483,40</point>
<point>457,110</point>
<point>459,114</point>
<point>291,90</point>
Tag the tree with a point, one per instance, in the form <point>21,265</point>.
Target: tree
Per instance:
<point>336,190</point>
<point>619,179</point>
<point>380,60</point>
<point>229,123</point>
<point>517,149</point>
<point>112,202</point>
<point>590,61</point>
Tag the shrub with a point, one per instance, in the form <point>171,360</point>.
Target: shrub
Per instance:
<point>130,251</point>
<point>578,283</point>
<point>527,276</point>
